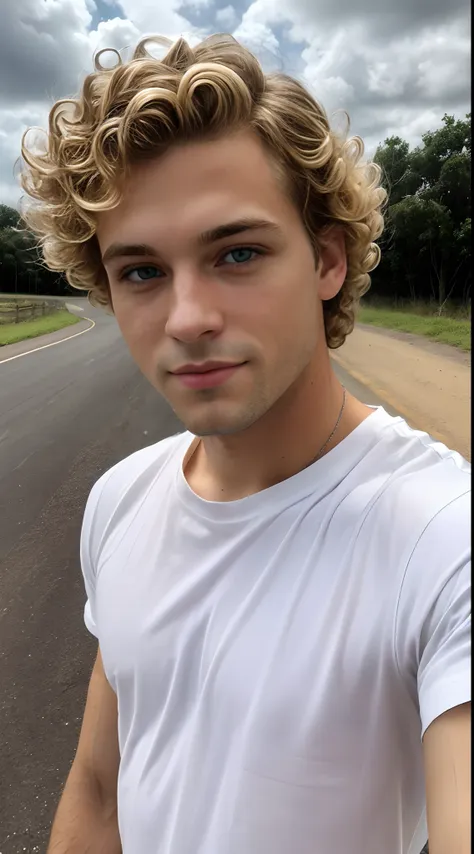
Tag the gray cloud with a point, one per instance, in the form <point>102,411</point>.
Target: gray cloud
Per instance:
<point>378,19</point>
<point>13,123</point>
<point>46,49</point>
<point>43,49</point>
<point>395,67</point>
<point>227,18</point>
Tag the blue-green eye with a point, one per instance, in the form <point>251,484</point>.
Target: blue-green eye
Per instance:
<point>242,255</point>
<point>137,275</point>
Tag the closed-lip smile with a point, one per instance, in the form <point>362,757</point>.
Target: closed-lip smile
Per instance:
<point>205,367</point>
<point>206,375</point>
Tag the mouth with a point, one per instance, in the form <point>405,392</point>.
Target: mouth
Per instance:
<point>206,375</point>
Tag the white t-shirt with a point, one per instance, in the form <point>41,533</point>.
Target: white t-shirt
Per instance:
<point>276,659</point>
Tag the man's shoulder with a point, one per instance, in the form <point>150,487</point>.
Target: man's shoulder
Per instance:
<point>132,475</point>
<point>424,471</point>
<point>118,495</point>
<point>422,479</point>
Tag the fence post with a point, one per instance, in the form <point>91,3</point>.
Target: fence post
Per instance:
<point>17,313</point>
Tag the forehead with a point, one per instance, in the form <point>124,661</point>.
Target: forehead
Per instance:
<point>196,186</point>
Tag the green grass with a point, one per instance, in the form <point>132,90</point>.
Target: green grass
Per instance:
<point>10,333</point>
<point>448,330</point>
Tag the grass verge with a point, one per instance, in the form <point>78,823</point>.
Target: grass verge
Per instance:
<point>448,330</point>
<point>11,333</point>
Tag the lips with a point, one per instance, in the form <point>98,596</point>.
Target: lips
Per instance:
<point>204,367</point>
<point>206,375</point>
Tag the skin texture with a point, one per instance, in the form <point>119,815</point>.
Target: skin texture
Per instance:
<point>270,418</point>
<point>447,757</point>
<point>86,819</point>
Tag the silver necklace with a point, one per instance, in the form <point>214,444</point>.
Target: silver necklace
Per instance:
<point>321,451</point>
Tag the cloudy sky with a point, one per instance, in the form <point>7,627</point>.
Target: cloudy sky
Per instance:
<point>395,65</point>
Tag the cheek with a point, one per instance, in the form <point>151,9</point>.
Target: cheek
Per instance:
<point>140,326</point>
<point>287,307</point>
<point>296,323</point>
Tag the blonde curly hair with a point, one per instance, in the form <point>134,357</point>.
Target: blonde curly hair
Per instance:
<point>139,108</point>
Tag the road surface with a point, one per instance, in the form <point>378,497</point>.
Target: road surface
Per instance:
<point>68,412</point>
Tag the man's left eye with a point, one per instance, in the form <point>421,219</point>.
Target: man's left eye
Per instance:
<point>239,256</point>
<point>143,273</point>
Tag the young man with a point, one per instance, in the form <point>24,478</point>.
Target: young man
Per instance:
<point>281,593</point>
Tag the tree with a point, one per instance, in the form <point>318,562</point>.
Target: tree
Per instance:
<point>454,186</point>
<point>398,177</point>
<point>462,238</point>
<point>425,230</point>
<point>426,243</point>
<point>9,217</point>
<point>454,137</point>
<point>21,270</point>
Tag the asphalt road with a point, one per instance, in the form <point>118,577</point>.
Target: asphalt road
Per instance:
<point>67,413</point>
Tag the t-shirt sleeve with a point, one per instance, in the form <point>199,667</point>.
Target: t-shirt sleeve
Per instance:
<point>444,671</point>
<point>89,549</point>
<point>434,620</point>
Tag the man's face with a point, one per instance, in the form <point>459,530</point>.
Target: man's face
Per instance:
<point>213,282</point>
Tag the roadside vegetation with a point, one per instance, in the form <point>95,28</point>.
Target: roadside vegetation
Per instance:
<point>426,244</point>
<point>452,328</point>
<point>423,282</point>
<point>11,333</point>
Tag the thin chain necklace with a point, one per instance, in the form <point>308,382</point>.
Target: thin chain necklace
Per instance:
<point>321,450</point>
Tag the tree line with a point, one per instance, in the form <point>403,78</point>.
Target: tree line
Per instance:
<point>21,268</point>
<point>426,245</point>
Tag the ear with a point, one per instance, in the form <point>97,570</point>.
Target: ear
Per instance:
<point>332,267</point>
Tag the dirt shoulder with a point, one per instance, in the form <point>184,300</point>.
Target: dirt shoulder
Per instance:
<point>426,382</point>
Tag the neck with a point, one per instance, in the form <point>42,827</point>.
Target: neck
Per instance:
<point>285,441</point>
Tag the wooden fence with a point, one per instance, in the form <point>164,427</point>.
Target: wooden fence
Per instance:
<point>17,311</point>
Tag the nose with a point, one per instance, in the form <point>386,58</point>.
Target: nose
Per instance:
<point>194,310</point>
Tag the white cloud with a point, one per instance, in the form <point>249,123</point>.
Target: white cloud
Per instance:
<point>163,18</point>
<point>382,80</point>
<point>14,123</point>
<point>115,33</point>
<point>257,37</point>
<point>445,62</point>
<point>196,5</point>
<point>46,49</point>
<point>227,18</point>
<point>396,67</point>
<point>332,92</point>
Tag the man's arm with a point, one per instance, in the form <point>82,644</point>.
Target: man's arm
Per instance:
<point>447,751</point>
<point>86,819</point>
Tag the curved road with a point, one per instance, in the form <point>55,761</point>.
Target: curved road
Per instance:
<point>68,412</point>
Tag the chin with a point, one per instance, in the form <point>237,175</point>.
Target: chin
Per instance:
<point>220,423</point>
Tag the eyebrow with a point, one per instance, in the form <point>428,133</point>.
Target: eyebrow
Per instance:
<point>126,250</point>
<point>236,227</point>
<point>122,250</point>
